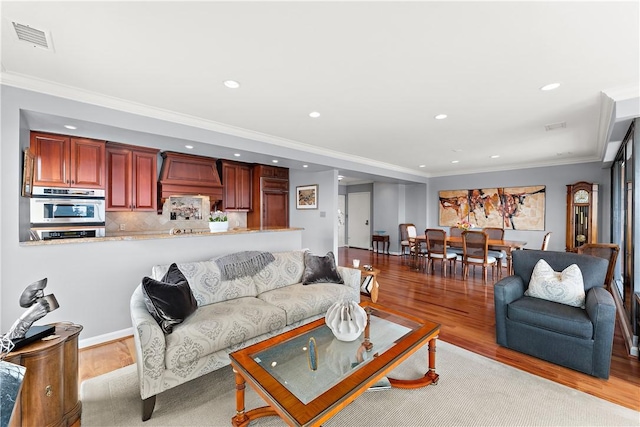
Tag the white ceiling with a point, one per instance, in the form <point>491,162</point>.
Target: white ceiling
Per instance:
<point>378,72</point>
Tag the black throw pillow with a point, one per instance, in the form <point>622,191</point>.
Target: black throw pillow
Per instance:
<point>320,269</point>
<point>170,299</point>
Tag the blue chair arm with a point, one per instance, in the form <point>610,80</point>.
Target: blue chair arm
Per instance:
<point>505,292</point>
<point>601,309</point>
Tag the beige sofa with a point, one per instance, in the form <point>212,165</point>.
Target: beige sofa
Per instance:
<point>231,314</point>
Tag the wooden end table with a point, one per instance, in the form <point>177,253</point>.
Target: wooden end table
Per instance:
<point>376,239</point>
<point>49,393</point>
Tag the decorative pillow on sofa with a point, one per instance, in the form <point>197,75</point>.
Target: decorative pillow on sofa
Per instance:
<point>566,287</point>
<point>170,299</point>
<point>320,269</point>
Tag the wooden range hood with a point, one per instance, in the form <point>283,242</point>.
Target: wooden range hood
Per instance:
<point>185,174</point>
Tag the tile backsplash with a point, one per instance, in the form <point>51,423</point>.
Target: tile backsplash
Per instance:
<point>152,223</point>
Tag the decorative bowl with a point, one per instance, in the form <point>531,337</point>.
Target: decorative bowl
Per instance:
<point>346,319</point>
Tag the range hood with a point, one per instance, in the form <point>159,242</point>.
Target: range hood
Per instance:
<point>185,175</point>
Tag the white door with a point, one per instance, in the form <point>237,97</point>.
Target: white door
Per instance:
<point>342,239</point>
<point>359,220</point>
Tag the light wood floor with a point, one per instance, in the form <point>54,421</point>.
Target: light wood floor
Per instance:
<point>463,308</point>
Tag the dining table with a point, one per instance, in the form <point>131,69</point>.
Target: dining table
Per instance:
<point>508,246</point>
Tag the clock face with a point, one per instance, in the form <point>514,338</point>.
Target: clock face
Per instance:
<point>581,196</point>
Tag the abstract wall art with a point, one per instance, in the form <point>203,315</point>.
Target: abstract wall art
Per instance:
<point>513,208</point>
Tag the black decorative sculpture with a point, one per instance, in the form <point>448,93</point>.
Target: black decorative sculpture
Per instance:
<point>38,305</point>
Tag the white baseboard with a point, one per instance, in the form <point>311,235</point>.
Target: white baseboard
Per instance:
<point>100,339</point>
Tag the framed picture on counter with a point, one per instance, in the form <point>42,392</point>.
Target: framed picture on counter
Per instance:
<point>27,173</point>
<point>307,197</point>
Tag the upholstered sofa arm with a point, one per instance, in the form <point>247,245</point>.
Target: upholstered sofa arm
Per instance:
<point>351,277</point>
<point>150,346</point>
<point>505,292</point>
<point>602,311</point>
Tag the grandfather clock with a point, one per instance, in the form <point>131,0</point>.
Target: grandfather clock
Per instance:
<point>582,214</point>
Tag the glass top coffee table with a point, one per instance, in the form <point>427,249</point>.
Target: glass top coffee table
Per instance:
<point>307,376</point>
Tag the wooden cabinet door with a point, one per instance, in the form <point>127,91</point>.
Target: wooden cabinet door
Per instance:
<point>118,194</point>
<point>243,186</point>
<point>43,388</point>
<point>51,159</point>
<point>229,186</point>
<point>145,181</point>
<point>236,181</point>
<point>275,209</point>
<point>87,163</point>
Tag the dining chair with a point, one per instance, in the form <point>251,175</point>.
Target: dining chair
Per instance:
<point>545,241</point>
<point>436,240</point>
<point>408,234</point>
<point>496,233</point>
<point>475,245</point>
<point>608,251</point>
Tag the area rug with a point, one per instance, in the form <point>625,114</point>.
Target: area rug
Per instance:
<point>472,391</point>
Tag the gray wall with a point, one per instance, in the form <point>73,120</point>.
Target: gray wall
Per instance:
<point>554,178</point>
<point>320,225</point>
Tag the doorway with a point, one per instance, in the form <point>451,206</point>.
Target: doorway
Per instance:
<point>359,220</point>
<point>342,229</point>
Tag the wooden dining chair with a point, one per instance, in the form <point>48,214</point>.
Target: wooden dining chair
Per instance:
<point>436,240</point>
<point>475,245</point>
<point>608,251</point>
<point>408,233</point>
<point>545,241</point>
<point>495,233</point>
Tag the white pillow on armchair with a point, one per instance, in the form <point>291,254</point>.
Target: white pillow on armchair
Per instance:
<point>566,287</point>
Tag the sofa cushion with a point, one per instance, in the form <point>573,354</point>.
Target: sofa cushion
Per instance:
<point>205,280</point>
<point>169,300</point>
<point>214,327</point>
<point>553,316</point>
<point>566,287</point>
<point>300,301</point>
<point>320,269</point>
<point>285,270</point>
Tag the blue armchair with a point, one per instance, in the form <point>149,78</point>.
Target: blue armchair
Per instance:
<point>577,338</point>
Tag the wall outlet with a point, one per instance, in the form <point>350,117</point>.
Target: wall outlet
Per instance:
<point>123,227</point>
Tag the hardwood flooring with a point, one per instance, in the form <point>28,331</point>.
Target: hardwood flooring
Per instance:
<point>464,309</point>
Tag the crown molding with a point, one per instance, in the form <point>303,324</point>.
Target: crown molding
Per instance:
<point>47,87</point>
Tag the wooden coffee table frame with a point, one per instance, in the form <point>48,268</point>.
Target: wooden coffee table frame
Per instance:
<point>285,404</point>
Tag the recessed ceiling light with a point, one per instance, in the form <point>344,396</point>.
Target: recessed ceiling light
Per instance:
<point>440,116</point>
<point>422,166</point>
<point>340,177</point>
<point>550,86</point>
<point>314,114</point>
<point>274,161</point>
<point>231,84</point>
<point>455,161</point>
<point>236,154</point>
<point>190,147</point>
<point>70,127</point>
<point>495,156</point>
<point>305,166</point>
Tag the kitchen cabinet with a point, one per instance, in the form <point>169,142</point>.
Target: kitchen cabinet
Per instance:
<point>132,178</point>
<point>236,186</point>
<point>66,161</point>
<point>49,395</point>
<point>270,197</point>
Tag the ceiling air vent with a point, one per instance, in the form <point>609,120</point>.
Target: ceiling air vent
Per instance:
<point>555,126</point>
<point>33,36</point>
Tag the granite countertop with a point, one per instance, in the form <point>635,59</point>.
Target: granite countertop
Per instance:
<point>132,235</point>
